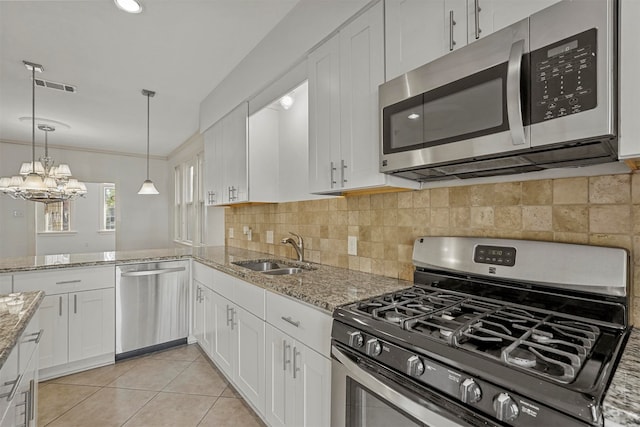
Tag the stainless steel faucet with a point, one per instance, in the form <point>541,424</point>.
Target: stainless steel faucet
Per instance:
<point>298,246</point>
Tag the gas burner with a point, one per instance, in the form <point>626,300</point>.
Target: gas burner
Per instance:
<point>393,317</point>
<point>522,358</point>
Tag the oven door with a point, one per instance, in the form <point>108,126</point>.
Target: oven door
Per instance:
<point>364,393</point>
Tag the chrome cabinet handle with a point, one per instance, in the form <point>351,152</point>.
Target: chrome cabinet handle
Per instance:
<point>32,395</point>
<point>332,169</point>
<point>75,304</point>
<point>13,390</point>
<point>343,166</point>
<point>476,13</point>
<point>452,22</point>
<point>514,106</point>
<point>229,311</point>
<point>37,335</point>
<point>233,317</point>
<point>60,307</point>
<point>68,282</point>
<point>295,367</point>
<point>285,347</point>
<point>291,321</point>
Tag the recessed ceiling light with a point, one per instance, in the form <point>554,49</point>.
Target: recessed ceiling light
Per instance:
<point>131,6</point>
<point>413,116</point>
<point>286,101</point>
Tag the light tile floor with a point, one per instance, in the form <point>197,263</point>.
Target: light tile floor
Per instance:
<point>176,387</point>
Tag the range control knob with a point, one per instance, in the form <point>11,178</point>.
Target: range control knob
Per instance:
<point>415,367</point>
<point>356,339</point>
<point>506,408</point>
<point>373,347</point>
<point>470,391</point>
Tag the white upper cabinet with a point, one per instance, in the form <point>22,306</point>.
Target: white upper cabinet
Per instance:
<point>415,33</point>
<point>629,128</point>
<point>419,31</point>
<point>225,149</point>
<point>344,75</point>
<point>487,16</point>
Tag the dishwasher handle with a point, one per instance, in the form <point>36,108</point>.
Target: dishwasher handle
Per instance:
<point>152,272</point>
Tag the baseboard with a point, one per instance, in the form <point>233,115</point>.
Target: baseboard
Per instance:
<point>77,366</point>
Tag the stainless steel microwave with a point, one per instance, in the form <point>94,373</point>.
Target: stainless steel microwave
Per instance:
<point>541,93</point>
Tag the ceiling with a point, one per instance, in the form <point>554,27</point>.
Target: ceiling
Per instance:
<point>181,49</point>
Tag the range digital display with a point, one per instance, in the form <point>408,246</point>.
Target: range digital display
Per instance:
<point>495,255</point>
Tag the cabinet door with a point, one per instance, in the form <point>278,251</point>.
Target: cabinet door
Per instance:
<point>414,34</point>
<point>91,323</point>
<point>249,367</point>
<point>324,115</point>
<point>312,373</point>
<point>223,343</point>
<point>54,319</point>
<point>234,153</point>
<point>208,319</point>
<point>214,164</point>
<point>488,16</point>
<point>629,71</point>
<point>280,401</point>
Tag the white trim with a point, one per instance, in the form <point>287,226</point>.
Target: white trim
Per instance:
<point>57,233</point>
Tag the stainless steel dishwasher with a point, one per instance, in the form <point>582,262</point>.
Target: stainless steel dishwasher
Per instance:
<point>151,306</point>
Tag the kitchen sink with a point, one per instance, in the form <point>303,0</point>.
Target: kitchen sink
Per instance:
<point>258,265</point>
<point>274,267</point>
<point>283,271</point>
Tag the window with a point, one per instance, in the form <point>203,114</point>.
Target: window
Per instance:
<point>189,207</point>
<point>57,216</point>
<point>108,211</point>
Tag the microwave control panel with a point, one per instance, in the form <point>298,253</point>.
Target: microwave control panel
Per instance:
<point>563,77</point>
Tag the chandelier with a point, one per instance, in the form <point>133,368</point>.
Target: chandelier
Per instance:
<point>41,181</point>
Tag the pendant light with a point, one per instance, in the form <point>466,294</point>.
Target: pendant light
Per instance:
<point>147,185</point>
<point>42,182</point>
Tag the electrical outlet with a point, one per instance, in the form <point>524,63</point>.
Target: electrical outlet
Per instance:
<point>269,236</point>
<point>352,245</point>
<point>231,232</point>
<point>245,229</point>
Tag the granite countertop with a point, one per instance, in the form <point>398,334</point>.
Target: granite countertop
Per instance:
<point>322,286</point>
<point>12,325</point>
<point>621,405</point>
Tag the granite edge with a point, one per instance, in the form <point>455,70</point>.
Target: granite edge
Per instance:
<point>8,341</point>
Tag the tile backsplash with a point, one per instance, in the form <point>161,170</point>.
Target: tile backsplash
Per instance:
<point>600,210</point>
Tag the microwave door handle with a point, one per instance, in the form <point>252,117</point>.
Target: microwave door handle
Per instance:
<point>392,395</point>
<point>514,96</point>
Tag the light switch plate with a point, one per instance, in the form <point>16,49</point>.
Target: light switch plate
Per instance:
<point>352,245</point>
<point>269,236</point>
<point>231,232</point>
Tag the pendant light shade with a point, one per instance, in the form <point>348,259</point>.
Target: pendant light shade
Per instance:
<point>147,186</point>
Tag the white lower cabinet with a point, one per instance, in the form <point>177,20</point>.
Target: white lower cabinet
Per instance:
<point>298,382</point>
<point>19,380</point>
<point>78,318</point>
<point>284,376</point>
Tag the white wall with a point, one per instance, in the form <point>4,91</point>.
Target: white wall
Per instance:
<point>142,221</point>
<point>308,23</point>
<point>85,234</point>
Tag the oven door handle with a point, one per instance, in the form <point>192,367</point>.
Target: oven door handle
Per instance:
<point>514,96</point>
<point>402,402</point>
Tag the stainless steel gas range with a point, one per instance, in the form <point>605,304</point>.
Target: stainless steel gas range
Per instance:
<point>493,332</point>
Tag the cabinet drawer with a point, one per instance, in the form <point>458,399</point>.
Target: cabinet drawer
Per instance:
<point>301,321</point>
<point>244,294</point>
<point>203,274</point>
<point>65,280</point>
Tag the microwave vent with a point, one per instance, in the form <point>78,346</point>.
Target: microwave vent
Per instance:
<point>56,86</point>
<point>480,165</point>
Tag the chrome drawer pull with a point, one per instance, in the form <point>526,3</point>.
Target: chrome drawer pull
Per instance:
<point>68,282</point>
<point>291,321</point>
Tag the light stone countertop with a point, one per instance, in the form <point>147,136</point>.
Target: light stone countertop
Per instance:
<point>326,288</point>
<point>12,325</point>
